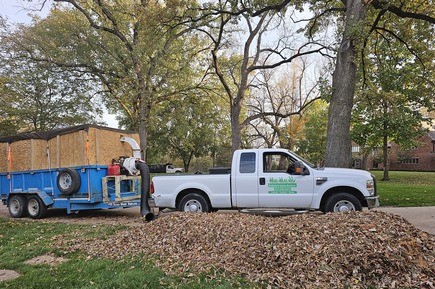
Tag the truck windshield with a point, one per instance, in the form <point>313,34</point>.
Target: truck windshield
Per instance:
<point>304,160</point>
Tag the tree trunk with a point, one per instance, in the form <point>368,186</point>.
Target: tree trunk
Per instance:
<point>338,147</point>
<point>186,162</point>
<point>385,160</point>
<point>364,161</point>
<point>144,96</point>
<point>386,163</point>
<point>143,131</point>
<point>236,130</point>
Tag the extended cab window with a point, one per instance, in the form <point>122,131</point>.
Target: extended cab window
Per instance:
<point>276,162</point>
<point>247,163</point>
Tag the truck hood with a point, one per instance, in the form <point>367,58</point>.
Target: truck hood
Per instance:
<point>343,172</point>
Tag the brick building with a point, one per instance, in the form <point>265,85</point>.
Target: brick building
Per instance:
<point>419,158</point>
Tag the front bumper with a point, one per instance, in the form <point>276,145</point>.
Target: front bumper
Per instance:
<point>372,202</point>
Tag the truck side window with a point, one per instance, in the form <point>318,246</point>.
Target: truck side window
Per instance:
<point>247,163</point>
<point>276,162</point>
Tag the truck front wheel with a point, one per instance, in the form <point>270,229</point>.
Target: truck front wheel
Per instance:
<point>194,203</point>
<point>17,206</point>
<point>342,202</point>
<point>36,208</point>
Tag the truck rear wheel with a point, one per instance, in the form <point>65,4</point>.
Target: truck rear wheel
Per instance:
<point>36,208</point>
<point>342,202</point>
<point>17,206</point>
<point>68,181</point>
<point>194,203</point>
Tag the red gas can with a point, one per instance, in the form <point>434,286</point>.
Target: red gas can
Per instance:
<point>114,170</point>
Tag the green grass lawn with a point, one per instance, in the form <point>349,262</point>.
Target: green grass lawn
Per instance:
<point>406,189</point>
<point>21,240</point>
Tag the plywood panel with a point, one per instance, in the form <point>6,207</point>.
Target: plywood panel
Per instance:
<point>21,155</point>
<point>53,152</point>
<point>111,146</point>
<point>3,157</point>
<point>39,154</point>
<point>92,138</point>
<point>71,149</point>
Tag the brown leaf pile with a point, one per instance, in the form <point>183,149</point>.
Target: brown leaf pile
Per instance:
<point>356,250</point>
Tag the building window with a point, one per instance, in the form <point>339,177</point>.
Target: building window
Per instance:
<point>410,161</point>
<point>356,149</point>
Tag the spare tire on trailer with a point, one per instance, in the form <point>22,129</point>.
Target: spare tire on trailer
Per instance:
<point>68,181</point>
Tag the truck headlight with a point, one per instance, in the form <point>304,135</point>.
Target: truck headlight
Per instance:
<point>370,185</point>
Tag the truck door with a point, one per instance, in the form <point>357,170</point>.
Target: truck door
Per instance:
<point>279,186</point>
<point>245,181</point>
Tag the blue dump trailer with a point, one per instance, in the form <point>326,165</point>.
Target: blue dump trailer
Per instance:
<point>77,188</point>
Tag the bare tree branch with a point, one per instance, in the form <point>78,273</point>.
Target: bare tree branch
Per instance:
<point>278,114</point>
<point>412,51</point>
<point>398,11</point>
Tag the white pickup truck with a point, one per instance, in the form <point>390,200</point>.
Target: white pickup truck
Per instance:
<point>267,178</point>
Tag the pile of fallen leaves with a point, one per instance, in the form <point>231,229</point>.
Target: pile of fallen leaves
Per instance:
<point>356,249</point>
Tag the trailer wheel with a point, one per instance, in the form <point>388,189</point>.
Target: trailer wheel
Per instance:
<point>194,203</point>
<point>17,206</point>
<point>36,208</point>
<point>342,202</point>
<point>68,181</point>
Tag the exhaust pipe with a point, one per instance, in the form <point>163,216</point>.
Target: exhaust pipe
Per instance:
<point>145,210</point>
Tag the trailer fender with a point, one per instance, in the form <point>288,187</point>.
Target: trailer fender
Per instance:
<point>45,198</point>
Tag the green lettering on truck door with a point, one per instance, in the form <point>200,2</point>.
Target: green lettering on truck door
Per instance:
<point>282,185</point>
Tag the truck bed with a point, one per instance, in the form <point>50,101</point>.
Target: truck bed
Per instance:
<point>217,185</point>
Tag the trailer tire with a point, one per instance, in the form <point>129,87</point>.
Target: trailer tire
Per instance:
<point>68,181</point>
<point>17,206</point>
<point>342,202</point>
<point>36,208</point>
<point>194,203</point>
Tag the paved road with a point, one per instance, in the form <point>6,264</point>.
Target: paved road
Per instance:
<point>421,217</point>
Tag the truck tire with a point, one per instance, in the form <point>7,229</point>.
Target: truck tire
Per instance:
<point>68,181</point>
<point>194,203</point>
<point>342,202</point>
<point>36,208</point>
<point>17,206</point>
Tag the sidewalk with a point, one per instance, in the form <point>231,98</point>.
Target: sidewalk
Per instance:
<point>421,217</point>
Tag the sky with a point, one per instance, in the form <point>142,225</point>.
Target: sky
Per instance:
<point>17,11</point>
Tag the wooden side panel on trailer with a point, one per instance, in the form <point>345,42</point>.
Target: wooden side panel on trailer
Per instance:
<point>70,147</point>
